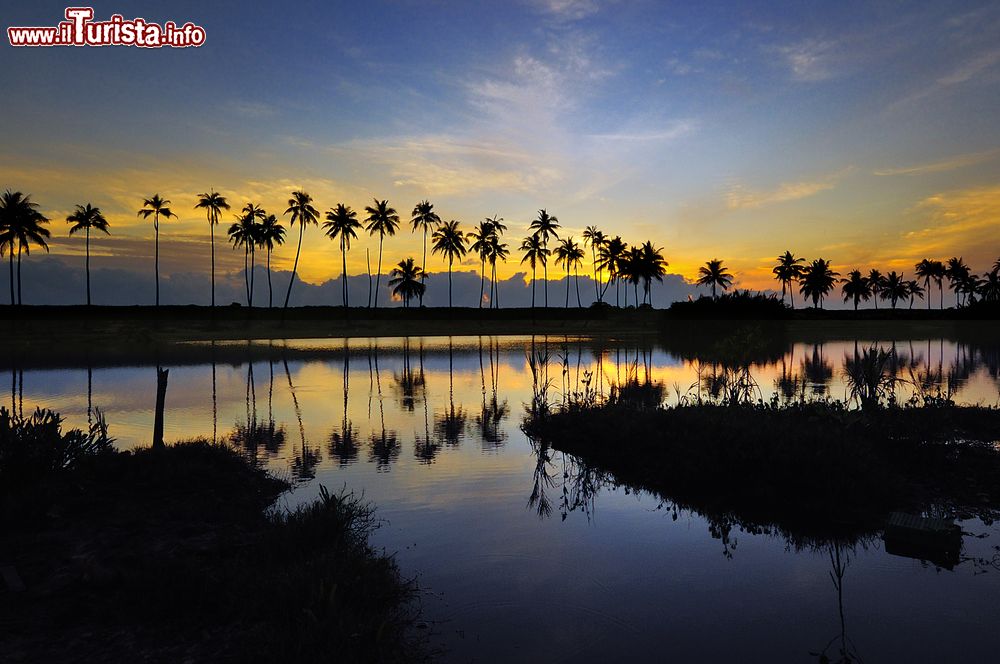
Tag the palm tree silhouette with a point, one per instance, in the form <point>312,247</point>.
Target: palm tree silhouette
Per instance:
<point>83,219</point>
<point>714,273</point>
<point>213,203</point>
<point>654,266</point>
<point>876,281</point>
<point>957,273</point>
<point>545,226</point>
<point>927,270</point>
<point>894,288</point>
<point>383,220</point>
<point>914,290</point>
<point>818,279</point>
<point>534,252</point>
<point>407,281</point>
<point>449,241</point>
<point>610,255</point>
<point>270,234</point>
<point>481,236</point>
<point>856,288</point>
<point>424,218</point>
<point>596,239</point>
<point>570,255</point>
<point>342,222</point>
<point>498,251</point>
<point>303,213</point>
<point>786,271</point>
<point>21,224</point>
<point>244,233</point>
<point>156,206</point>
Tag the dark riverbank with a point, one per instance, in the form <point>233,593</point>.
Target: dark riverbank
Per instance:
<point>174,555</point>
<point>812,472</point>
<point>108,336</point>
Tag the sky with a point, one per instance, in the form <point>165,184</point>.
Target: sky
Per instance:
<point>867,133</point>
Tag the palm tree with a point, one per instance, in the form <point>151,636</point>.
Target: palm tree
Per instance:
<point>927,270</point>
<point>610,255</point>
<point>449,241</point>
<point>21,224</point>
<point>786,271</point>
<point>85,218</point>
<point>535,252</point>
<point>244,233</point>
<point>497,251</point>
<point>596,239</point>
<point>856,287</point>
<point>957,273</point>
<point>342,222</point>
<point>156,206</point>
<point>653,266</point>
<point>271,234</point>
<point>482,236</point>
<point>894,288</point>
<point>383,220</point>
<point>570,255</point>
<point>817,281</point>
<point>303,213</point>
<point>876,281</point>
<point>914,290</point>
<point>545,226</point>
<point>407,281</point>
<point>631,271</point>
<point>213,203</point>
<point>990,287</point>
<point>714,273</point>
<point>424,218</point>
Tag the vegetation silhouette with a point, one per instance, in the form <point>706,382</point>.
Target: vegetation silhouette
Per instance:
<point>154,206</point>
<point>423,218</point>
<point>342,222</point>
<point>382,220</point>
<point>303,213</point>
<point>213,203</point>
<point>85,218</point>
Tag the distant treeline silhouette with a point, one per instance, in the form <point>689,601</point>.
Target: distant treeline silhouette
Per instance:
<point>614,261</point>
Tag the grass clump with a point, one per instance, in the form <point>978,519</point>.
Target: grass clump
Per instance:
<point>179,554</point>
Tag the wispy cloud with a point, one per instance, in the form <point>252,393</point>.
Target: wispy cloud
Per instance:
<point>740,197</point>
<point>944,165</point>
<point>568,10</point>
<point>969,70</point>
<point>811,60</point>
<point>671,132</point>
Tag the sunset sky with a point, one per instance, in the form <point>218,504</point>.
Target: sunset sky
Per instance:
<point>863,132</point>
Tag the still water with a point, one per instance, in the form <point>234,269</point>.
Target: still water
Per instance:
<point>520,562</point>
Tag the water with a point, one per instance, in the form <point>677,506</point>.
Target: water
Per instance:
<point>517,560</point>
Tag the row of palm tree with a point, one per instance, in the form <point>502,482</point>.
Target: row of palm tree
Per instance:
<point>22,225</point>
<point>816,280</point>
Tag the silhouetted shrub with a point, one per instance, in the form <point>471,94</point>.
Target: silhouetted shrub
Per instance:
<point>735,305</point>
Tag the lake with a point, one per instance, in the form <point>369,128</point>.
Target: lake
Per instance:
<point>523,556</point>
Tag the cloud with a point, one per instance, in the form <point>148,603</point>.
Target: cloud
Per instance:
<point>740,197</point>
<point>252,109</point>
<point>971,69</point>
<point>675,130</point>
<point>944,165</point>
<point>811,60</point>
<point>961,222</point>
<point>567,10</point>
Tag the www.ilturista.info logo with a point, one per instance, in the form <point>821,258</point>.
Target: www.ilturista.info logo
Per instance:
<point>79,29</point>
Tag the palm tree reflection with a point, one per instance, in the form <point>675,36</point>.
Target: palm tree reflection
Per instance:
<point>384,445</point>
<point>492,412</point>
<point>306,458</point>
<point>344,442</point>
<point>449,426</point>
<point>425,447</point>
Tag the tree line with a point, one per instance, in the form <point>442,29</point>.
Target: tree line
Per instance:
<point>615,263</point>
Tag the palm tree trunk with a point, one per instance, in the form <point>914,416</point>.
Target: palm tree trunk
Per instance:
<point>12,274</point>
<point>368,266</point>
<point>578,302</point>
<point>246,274</point>
<point>252,256</point>
<point>156,253</point>
<point>597,285</point>
<point>378,273</point>
<point>295,267</point>
<point>19,300</point>
<point>449,281</point>
<point>567,285</point>
<point>343,254</point>
<point>88,266</point>
<point>791,295</point>
<point>211,227</point>
<point>270,293</point>
<point>532,286</point>
<point>423,265</point>
<point>482,281</point>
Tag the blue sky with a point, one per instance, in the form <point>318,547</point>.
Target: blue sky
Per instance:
<point>864,132</point>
